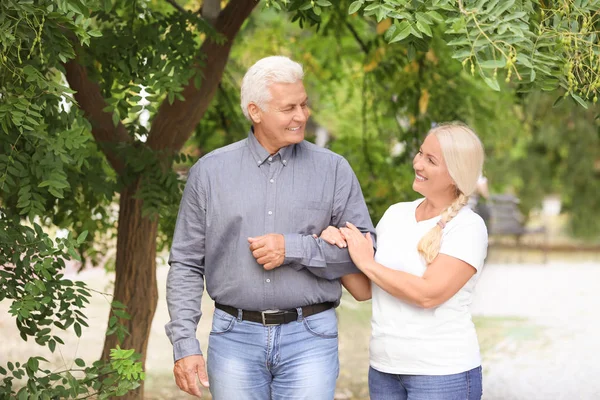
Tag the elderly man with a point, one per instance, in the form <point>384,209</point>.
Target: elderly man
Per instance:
<point>246,224</point>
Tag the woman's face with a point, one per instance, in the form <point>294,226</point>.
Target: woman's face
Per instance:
<point>432,178</point>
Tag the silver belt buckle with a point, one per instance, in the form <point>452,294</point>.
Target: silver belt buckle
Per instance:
<point>264,322</point>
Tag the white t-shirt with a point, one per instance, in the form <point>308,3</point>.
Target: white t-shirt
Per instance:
<point>411,340</point>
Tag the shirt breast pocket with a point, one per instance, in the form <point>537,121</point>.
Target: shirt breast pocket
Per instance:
<point>312,217</point>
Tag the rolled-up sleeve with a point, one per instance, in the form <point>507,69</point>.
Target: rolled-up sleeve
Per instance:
<point>319,257</point>
<point>185,281</point>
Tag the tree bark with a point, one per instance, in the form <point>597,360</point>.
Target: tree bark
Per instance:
<point>135,280</point>
<point>90,100</point>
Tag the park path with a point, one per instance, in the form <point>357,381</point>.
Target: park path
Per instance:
<point>547,343</point>
<point>554,353</point>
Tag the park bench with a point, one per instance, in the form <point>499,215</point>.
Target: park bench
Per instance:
<point>506,220</point>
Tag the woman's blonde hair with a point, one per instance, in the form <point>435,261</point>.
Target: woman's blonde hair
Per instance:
<point>463,154</point>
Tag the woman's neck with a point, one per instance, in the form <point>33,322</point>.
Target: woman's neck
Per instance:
<point>431,208</point>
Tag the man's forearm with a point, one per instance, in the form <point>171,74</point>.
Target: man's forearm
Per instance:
<point>185,285</point>
<point>319,257</point>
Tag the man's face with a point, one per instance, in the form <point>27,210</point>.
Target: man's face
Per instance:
<point>284,120</point>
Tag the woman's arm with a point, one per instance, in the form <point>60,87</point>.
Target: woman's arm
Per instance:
<point>358,285</point>
<point>444,277</point>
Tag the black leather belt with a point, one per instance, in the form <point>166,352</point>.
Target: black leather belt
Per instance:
<point>275,317</point>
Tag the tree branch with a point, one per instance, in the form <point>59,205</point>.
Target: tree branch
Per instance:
<point>89,98</point>
<point>176,5</point>
<point>174,123</point>
<point>210,10</point>
<point>362,44</point>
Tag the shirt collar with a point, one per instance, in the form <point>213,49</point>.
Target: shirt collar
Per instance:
<point>261,155</point>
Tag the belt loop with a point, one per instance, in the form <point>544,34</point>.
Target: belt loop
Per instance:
<point>299,311</point>
<point>240,315</point>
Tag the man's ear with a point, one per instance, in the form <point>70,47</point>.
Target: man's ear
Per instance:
<point>254,112</point>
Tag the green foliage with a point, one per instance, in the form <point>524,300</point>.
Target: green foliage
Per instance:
<point>51,173</point>
<point>550,46</point>
<point>43,300</point>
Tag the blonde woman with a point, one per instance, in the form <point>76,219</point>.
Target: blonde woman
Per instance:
<point>429,257</point>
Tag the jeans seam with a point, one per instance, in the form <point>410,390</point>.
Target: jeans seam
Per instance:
<point>468,385</point>
<point>229,327</point>
<point>322,336</point>
<point>399,377</point>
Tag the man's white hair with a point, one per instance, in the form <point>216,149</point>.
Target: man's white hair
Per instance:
<point>256,82</point>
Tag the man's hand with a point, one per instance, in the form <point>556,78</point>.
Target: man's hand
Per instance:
<point>186,370</point>
<point>269,250</point>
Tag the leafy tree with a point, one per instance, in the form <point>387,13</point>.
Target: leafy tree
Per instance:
<point>98,98</point>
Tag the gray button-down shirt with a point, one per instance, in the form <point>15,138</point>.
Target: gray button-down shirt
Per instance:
<point>242,191</point>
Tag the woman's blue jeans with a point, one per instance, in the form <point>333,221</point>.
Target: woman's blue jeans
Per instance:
<point>461,386</point>
<point>297,360</point>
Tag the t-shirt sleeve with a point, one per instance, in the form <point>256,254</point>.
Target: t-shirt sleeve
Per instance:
<point>467,241</point>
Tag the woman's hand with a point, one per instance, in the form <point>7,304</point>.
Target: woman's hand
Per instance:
<point>332,235</point>
<point>360,247</point>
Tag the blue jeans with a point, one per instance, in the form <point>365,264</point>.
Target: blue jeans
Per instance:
<point>461,386</point>
<point>297,360</point>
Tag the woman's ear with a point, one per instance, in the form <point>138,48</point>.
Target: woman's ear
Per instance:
<point>254,112</point>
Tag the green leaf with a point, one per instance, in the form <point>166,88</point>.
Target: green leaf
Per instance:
<point>77,329</point>
<point>436,16</point>
<point>79,362</point>
<point>306,6</point>
<point>115,119</point>
<point>532,75</point>
<point>354,7</point>
<point>121,314</point>
<point>424,28</point>
<point>55,193</point>
<point>73,253</point>
<point>491,64</point>
<point>579,100</point>
<point>424,18</point>
<point>491,82</point>
<point>117,304</point>
<point>82,237</point>
<point>95,33</point>
<point>403,30</point>
<point>33,364</point>
<point>23,393</point>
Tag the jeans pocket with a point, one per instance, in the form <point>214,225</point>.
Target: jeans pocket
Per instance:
<point>222,322</point>
<point>323,324</point>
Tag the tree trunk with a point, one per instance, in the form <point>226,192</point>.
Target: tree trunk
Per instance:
<point>135,280</point>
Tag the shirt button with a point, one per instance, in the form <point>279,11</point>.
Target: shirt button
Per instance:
<point>268,281</point>
<point>258,162</point>
<point>270,158</point>
<point>284,162</point>
<point>271,180</point>
<point>270,213</point>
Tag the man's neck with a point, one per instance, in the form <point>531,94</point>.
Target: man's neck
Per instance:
<point>272,149</point>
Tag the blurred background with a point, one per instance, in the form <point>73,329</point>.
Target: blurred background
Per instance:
<point>104,107</point>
